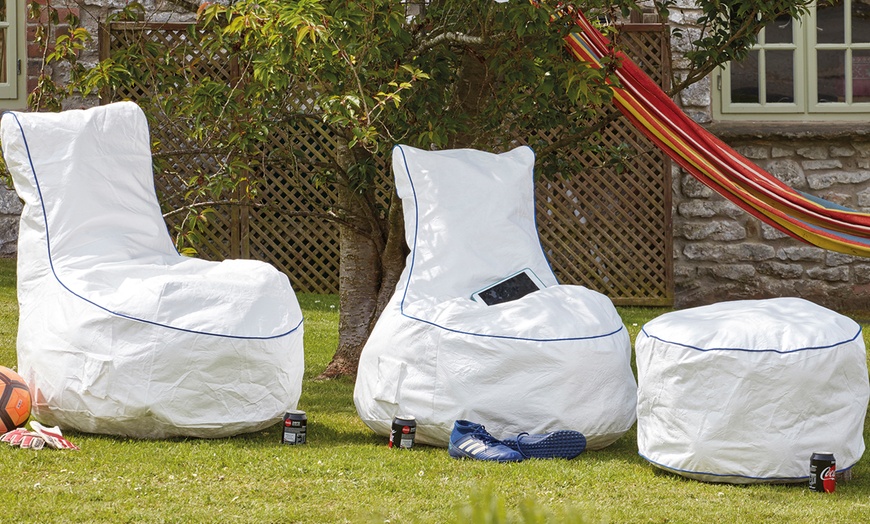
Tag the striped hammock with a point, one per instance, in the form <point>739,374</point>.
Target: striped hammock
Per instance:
<point>805,217</point>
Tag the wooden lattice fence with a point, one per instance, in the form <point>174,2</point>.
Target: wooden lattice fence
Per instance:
<point>601,227</point>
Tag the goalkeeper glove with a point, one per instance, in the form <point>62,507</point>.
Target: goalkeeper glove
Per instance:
<point>23,438</point>
<point>52,436</point>
<point>37,437</point>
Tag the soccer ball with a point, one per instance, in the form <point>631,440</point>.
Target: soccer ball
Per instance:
<point>14,400</point>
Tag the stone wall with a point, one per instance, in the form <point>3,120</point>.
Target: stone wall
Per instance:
<point>10,209</point>
<point>723,253</point>
<point>91,13</point>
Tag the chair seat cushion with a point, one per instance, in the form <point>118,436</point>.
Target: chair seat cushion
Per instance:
<point>558,370</point>
<point>746,391</point>
<point>556,312</point>
<point>236,298</point>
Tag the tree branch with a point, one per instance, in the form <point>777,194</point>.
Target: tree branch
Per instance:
<point>569,140</point>
<point>697,74</point>
<point>451,37</point>
<point>327,215</point>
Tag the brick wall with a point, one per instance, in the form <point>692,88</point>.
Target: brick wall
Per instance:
<point>34,53</point>
<point>91,13</point>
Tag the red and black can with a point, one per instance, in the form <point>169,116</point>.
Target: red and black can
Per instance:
<point>295,428</point>
<point>402,432</point>
<point>823,472</point>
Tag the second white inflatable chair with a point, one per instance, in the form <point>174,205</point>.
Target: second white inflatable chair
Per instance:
<point>556,358</point>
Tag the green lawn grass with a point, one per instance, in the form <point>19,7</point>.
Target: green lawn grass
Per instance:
<point>347,474</point>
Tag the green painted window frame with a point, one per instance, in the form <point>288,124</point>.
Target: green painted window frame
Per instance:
<point>805,106</point>
<point>13,92</point>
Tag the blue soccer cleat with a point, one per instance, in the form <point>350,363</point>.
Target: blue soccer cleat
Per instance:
<point>470,440</point>
<point>565,444</point>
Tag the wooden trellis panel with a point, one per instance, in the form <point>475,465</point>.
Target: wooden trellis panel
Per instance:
<point>283,225</point>
<point>606,230</point>
<point>610,231</point>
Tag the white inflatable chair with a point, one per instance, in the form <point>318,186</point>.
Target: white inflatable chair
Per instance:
<point>557,358</point>
<point>118,333</point>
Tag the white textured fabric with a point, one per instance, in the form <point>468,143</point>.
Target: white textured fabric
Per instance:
<point>118,333</point>
<point>558,358</point>
<point>746,391</point>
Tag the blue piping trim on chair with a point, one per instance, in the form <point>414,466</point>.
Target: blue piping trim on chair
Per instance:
<point>535,222</point>
<point>748,350</point>
<point>111,312</point>
<point>732,475</point>
<point>452,330</point>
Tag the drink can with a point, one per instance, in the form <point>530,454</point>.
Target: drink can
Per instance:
<point>295,428</point>
<point>403,431</point>
<point>823,472</point>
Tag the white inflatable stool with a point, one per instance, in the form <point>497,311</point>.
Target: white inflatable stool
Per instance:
<point>745,391</point>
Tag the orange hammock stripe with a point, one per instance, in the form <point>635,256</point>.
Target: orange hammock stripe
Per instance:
<point>802,216</point>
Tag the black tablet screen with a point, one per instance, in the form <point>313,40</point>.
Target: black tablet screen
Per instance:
<point>513,288</point>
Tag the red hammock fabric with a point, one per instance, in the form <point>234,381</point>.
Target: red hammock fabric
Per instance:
<point>802,216</point>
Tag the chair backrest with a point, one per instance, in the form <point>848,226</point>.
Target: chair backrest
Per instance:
<point>86,180</point>
<point>469,219</point>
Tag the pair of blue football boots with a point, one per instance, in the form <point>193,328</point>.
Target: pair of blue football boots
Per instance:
<point>470,440</point>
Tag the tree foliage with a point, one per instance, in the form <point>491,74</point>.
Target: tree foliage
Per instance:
<point>433,74</point>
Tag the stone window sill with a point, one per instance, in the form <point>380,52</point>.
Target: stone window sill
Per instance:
<point>789,130</point>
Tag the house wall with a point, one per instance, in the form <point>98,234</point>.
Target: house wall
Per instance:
<point>10,210</point>
<point>720,251</point>
<point>91,13</point>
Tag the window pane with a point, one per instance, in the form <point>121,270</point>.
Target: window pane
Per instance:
<point>779,76</point>
<point>779,32</point>
<point>861,76</point>
<point>744,80</point>
<point>830,22</point>
<point>832,74</point>
<point>2,10</point>
<point>860,21</point>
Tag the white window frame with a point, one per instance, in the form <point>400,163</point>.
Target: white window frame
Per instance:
<point>13,92</point>
<point>805,106</point>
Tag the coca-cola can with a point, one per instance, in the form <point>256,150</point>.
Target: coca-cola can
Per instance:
<point>403,431</point>
<point>823,472</point>
<point>295,428</point>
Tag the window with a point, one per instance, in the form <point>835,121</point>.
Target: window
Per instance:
<point>12,46</point>
<point>817,68</point>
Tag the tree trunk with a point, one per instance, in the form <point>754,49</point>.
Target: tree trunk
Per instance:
<point>395,253</point>
<point>373,250</point>
<point>371,261</point>
<point>358,284</point>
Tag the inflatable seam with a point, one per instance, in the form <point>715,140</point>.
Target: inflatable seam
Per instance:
<point>748,350</point>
